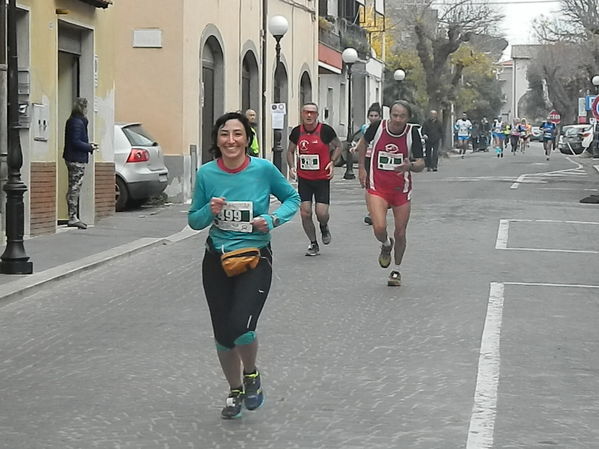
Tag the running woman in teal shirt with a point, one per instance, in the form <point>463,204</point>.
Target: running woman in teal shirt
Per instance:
<point>232,196</point>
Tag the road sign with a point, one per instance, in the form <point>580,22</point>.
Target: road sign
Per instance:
<point>595,107</point>
<point>554,117</point>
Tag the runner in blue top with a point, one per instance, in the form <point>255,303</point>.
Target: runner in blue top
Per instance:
<point>549,130</point>
<point>498,136</point>
<point>374,115</point>
<point>232,196</point>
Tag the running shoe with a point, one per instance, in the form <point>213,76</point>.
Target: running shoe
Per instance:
<point>254,396</point>
<point>233,405</point>
<point>394,279</point>
<point>313,249</point>
<point>368,220</point>
<point>385,255</point>
<point>326,235</point>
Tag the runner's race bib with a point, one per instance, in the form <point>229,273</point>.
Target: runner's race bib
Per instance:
<point>235,216</point>
<point>388,161</point>
<point>309,161</point>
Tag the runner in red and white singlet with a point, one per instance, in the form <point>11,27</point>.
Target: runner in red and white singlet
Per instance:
<point>317,147</point>
<point>396,152</point>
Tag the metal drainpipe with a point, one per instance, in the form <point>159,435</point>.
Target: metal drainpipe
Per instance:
<point>262,138</point>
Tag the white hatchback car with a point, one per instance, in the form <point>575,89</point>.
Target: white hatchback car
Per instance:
<point>139,165</point>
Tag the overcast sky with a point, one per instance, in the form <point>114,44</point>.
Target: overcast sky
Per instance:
<point>519,15</point>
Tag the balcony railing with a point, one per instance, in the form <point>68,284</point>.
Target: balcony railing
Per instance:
<point>339,34</point>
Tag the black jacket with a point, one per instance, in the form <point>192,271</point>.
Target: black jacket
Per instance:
<point>433,129</point>
<point>76,141</point>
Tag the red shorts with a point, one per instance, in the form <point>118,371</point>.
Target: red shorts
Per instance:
<point>395,198</point>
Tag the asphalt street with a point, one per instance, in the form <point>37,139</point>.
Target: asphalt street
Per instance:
<point>491,341</point>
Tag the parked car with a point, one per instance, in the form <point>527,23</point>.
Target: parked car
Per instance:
<point>575,138</point>
<point>139,165</point>
<point>536,133</point>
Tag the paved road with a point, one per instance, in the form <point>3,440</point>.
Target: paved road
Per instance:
<point>122,357</point>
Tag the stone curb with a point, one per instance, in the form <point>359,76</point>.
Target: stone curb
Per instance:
<point>27,284</point>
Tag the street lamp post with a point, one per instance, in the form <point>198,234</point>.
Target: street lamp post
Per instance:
<point>349,56</point>
<point>277,26</point>
<point>14,260</point>
<point>399,75</point>
<point>595,81</point>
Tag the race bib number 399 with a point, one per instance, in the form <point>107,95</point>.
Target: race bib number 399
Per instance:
<point>235,216</point>
<point>388,161</point>
<point>309,161</point>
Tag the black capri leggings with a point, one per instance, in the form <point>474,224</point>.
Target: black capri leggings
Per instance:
<point>235,303</point>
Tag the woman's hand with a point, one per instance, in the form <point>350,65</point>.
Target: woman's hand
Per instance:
<point>260,225</point>
<point>216,205</point>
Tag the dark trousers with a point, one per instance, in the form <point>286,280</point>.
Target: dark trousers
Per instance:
<point>235,303</point>
<point>432,154</point>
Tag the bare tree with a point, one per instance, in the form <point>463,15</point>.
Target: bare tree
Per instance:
<point>437,41</point>
<point>557,67</point>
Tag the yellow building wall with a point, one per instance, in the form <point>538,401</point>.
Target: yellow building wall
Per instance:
<point>150,86</point>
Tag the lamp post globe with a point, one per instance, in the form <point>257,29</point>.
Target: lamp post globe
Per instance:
<point>399,75</point>
<point>278,26</point>
<point>349,55</point>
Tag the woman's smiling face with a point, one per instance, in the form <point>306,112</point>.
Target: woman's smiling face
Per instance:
<point>232,139</point>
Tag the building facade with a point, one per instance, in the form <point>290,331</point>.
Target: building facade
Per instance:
<point>339,28</point>
<point>65,50</point>
<point>180,67</point>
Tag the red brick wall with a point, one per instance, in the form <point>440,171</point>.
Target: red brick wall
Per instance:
<point>105,193</point>
<point>43,198</point>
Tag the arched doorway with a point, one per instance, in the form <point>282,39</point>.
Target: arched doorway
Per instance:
<point>211,92</point>
<point>250,83</point>
<point>305,93</point>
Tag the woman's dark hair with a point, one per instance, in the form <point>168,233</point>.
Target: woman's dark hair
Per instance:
<point>375,107</point>
<point>220,123</point>
<point>405,104</point>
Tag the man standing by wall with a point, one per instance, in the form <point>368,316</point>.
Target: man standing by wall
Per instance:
<point>254,148</point>
<point>432,132</point>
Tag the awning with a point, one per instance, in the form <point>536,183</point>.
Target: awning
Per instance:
<point>98,3</point>
<point>329,58</point>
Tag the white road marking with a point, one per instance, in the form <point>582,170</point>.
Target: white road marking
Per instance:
<point>548,284</point>
<point>567,172</point>
<point>502,234</point>
<point>482,421</point>
<point>484,410</point>
<point>504,229</point>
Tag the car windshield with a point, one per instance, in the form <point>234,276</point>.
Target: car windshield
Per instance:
<point>138,136</point>
<point>571,131</point>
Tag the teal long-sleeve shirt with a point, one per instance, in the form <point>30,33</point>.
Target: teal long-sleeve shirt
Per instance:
<point>254,183</point>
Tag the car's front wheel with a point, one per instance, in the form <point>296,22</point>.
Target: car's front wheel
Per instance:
<point>121,195</point>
